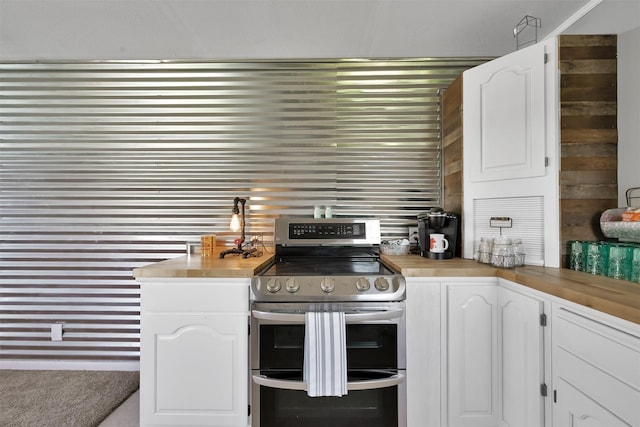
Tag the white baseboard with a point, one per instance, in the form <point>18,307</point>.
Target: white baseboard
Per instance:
<point>70,365</point>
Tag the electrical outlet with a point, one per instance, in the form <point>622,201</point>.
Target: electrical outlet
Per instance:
<point>56,332</point>
<point>413,235</point>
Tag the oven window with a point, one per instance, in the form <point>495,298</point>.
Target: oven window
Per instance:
<point>370,346</point>
<point>289,408</point>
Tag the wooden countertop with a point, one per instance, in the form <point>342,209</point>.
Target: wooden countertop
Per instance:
<point>198,266</point>
<point>619,298</point>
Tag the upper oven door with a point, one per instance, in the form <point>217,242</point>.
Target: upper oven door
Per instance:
<point>375,335</point>
<point>326,232</point>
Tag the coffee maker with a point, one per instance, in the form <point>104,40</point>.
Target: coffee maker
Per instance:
<point>437,221</point>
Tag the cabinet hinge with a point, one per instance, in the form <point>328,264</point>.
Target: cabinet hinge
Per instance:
<point>248,410</point>
<point>546,162</point>
<point>249,331</point>
<point>543,389</point>
<point>546,58</point>
<point>543,319</point>
<point>555,396</point>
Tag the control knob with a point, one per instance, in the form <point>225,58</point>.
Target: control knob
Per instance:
<point>327,284</point>
<point>273,285</point>
<point>292,285</point>
<point>362,284</point>
<point>381,284</point>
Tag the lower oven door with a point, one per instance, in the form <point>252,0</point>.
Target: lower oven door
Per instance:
<point>376,368</point>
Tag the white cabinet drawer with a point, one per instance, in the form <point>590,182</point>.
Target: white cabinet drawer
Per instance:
<point>193,296</point>
<point>598,361</point>
<point>614,352</point>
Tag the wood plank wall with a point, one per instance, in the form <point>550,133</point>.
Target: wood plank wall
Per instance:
<point>452,195</point>
<point>588,134</point>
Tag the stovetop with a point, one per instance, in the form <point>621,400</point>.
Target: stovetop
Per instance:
<point>327,267</point>
<point>313,279</point>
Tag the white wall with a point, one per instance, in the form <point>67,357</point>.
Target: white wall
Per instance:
<point>263,29</point>
<point>628,112</point>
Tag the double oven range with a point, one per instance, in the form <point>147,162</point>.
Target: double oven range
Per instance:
<point>328,265</point>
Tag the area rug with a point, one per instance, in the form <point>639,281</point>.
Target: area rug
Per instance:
<point>62,398</point>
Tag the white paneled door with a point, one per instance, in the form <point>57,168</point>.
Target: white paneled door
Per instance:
<point>504,109</point>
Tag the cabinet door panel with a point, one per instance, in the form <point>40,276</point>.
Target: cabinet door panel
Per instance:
<point>504,109</point>
<point>197,374</point>
<point>472,355</point>
<point>522,372</point>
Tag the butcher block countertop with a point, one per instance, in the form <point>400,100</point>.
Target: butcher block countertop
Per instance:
<point>616,297</point>
<point>198,266</point>
<point>619,298</point>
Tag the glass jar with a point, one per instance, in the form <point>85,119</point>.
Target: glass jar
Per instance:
<point>576,255</point>
<point>593,257</point>
<point>518,252</point>
<point>484,250</point>
<point>620,261</point>
<point>502,255</point>
<point>635,264</point>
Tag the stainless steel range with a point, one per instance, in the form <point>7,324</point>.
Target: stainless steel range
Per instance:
<point>328,265</point>
<point>327,260</point>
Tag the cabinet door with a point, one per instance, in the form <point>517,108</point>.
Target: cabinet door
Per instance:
<point>472,397</point>
<point>194,369</point>
<point>504,117</point>
<point>423,316</point>
<point>522,355</point>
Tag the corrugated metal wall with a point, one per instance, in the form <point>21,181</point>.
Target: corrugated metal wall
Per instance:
<point>107,166</point>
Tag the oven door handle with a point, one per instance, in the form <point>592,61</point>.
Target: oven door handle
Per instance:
<point>348,317</point>
<point>391,381</point>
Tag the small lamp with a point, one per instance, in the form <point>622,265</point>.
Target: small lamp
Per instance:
<point>237,224</point>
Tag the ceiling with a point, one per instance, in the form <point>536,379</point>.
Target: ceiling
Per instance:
<point>264,29</point>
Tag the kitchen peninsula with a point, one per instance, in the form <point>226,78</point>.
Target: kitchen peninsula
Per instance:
<point>462,316</point>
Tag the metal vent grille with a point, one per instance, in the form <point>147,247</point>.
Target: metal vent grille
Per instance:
<point>107,166</point>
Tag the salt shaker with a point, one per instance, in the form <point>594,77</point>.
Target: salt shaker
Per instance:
<point>317,211</point>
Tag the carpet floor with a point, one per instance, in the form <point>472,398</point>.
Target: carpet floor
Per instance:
<point>62,398</point>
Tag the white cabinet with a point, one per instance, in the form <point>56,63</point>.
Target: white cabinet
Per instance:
<point>511,151</point>
<point>194,352</point>
<point>504,120</point>
<point>424,363</point>
<point>520,327</point>
<point>494,355</point>
<point>472,349</point>
<point>596,369</point>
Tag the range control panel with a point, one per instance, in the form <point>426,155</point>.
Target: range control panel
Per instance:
<point>327,231</point>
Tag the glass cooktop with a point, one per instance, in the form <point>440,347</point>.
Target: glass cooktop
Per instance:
<point>327,267</point>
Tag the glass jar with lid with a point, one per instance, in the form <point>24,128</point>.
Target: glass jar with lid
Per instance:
<point>502,255</point>
<point>518,252</point>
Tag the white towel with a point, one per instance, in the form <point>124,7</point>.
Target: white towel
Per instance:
<point>325,354</point>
